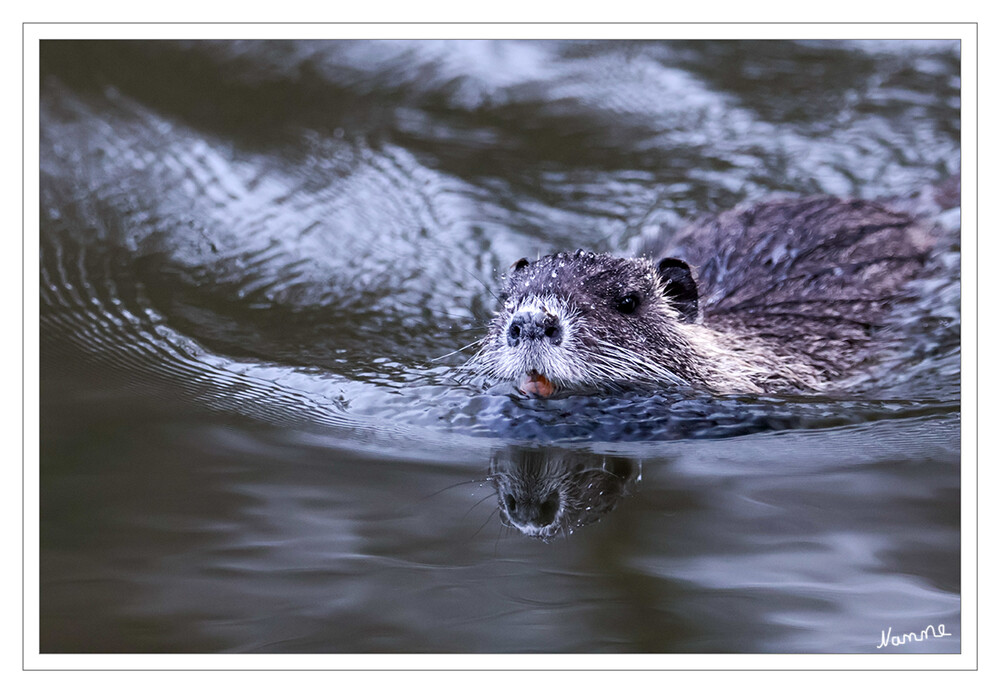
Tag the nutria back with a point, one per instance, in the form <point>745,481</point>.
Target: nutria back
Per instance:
<point>813,279</point>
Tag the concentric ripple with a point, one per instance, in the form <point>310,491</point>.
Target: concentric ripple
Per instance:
<point>311,266</point>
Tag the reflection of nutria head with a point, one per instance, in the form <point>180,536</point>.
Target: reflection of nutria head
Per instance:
<point>543,493</point>
<point>786,297</point>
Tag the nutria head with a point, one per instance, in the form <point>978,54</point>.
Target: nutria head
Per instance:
<point>589,322</point>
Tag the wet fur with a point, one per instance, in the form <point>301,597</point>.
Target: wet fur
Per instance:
<point>790,296</point>
<point>803,285</point>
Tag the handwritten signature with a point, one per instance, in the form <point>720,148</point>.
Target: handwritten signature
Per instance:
<point>895,640</point>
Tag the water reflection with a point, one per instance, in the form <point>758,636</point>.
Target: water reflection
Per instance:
<point>545,492</point>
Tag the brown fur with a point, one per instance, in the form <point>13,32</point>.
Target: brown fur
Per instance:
<point>802,286</point>
<point>790,295</point>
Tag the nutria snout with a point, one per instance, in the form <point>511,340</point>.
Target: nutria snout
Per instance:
<point>534,325</point>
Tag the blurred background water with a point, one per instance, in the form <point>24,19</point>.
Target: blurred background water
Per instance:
<point>262,263</point>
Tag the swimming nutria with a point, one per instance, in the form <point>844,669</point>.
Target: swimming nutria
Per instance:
<point>777,297</point>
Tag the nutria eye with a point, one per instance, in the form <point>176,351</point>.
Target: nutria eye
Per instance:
<point>520,264</point>
<point>628,304</point>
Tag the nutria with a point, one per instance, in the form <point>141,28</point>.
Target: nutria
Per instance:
<point>782,296</point>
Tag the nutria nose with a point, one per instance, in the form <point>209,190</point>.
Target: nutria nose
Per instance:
<point>534,326</point>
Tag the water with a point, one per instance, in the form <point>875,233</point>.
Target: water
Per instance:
<point>262,263</point>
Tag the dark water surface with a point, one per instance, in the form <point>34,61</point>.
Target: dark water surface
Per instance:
<point>262,263</point>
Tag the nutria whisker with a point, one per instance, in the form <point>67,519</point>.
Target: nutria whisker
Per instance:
<point>456,485</point>
<point>459,350</point>
<point>488,519</point>
<point>478,503</point>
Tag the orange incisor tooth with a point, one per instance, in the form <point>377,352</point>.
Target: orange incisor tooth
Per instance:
<point>537,384</point>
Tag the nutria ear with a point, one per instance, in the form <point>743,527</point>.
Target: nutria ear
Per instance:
<point>679,287</point>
